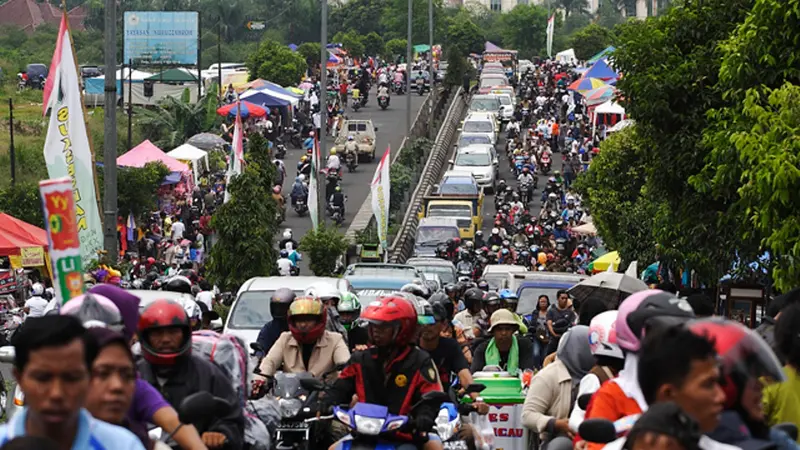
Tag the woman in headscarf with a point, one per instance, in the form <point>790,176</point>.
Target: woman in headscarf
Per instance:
<point>550,395</point>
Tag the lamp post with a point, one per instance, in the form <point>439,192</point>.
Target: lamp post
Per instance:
<point>408,70</point>
<point>323,111</point>
<point>110,132</point>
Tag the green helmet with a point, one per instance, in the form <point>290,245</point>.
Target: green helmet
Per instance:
<point>349,304</point>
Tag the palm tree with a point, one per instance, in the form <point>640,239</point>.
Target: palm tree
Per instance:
<point>573,6</point>
<point>175,120</point>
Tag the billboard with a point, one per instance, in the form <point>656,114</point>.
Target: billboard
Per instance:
<point>157,37</point>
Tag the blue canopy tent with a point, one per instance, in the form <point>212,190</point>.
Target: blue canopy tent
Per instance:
<point>601,70</point>
<point>264,98</point>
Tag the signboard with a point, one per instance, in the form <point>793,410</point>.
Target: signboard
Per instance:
<point>157,37</point>
<point>32,256</point>
<point>256,25</point>
<point>509,434</point>
<point>8,282</point>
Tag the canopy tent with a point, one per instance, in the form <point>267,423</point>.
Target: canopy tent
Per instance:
<point>621,125</point>
<point>264,98</point>
<point>176,75</point>
<point>567,56</point>
<point>610,107</point>
<point>333,60</point>
<point>612,113</point>
<point>192,154</point>
<point>490,47</point>
<point>602,54</point>
<point>602,71</point>
<point>147,152</point>
<point>16,234</point>
<point>600,95</point>
<point>96,85</point>
<point>421,48</point>
<point>602,263</point>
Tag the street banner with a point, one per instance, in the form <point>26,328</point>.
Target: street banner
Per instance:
<point>380,189</point>
<point>66,148</point>
<point>237,154</point>
<point>313,195</point>
<point>58,204</point>
<point>551,24</point>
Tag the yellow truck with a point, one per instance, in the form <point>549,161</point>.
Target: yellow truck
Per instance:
<point>466,209</point>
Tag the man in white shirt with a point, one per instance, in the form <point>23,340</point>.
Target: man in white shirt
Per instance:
<point>178,228</point>
<point>35,306</point>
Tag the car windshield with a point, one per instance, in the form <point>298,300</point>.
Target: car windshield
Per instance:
<point>445,273</point>
<point>433,236</point>
<point>368,295</point>
<point>505,100</point>
<point>478,126</point>
<point>251,310</point>
<point>473,159</point>
<point>484,104</point>
<point>474,139</point>
<point>496,282</point>
<point>491,82</point>
<point>529,295</point>
<point>458,188</point>
<point>383,271</point>
<point>450,211</point>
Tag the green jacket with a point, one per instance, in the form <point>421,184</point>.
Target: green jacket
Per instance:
<point>782,400</point>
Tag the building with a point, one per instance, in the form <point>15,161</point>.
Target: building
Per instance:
<point>30,15</point>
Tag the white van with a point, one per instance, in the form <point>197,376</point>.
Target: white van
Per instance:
<point>481,123</point>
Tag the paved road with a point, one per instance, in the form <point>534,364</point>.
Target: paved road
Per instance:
<point>390,124</point>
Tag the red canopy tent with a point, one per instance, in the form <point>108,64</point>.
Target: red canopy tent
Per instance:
<point>16,234</point>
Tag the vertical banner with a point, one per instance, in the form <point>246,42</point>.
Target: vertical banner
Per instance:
<point>380,189</point>
<point>58,204</point>
<point>66,148</point>
<point>237,154</point>
<point>551,24</point>
<point>313,195</point>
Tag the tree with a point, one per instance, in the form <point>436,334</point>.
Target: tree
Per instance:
<point>373,44</point>
<point>174,121</point>
<point>310,51</point>
<point>23,202</point>
<point>571,7</point>
<point>245,226</point>
<point>351,43</point>
<point>457,66</point>
<point>464,33</point>
<point>137,188</point>
<point>524,29</point>
<point>277,63</point>
<point>394,19</point>
<point>395,47</point>
<point>364,16</point>
<point>609,14</point>
<point>588,41</point>
<point>323,248</point>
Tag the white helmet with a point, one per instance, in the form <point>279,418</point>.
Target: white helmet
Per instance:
<point>287,234</point>
<point>302,177</point>
<point>37,289</point>
<point>603,335</point>
<point>323,291</point>
<point>495,231</point>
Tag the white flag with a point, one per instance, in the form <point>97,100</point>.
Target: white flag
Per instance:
<point>66,147</point>
<point>313,195</point>
<point>551,24</point>
<point>237,155</point>
<point>380,188</point>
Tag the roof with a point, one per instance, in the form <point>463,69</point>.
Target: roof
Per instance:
<point>16,234</point>
<point>188,152</point>
<point>30,15</point>
<point>293,283</point>
<point>373,282</point>
<point>430,261</point>
<point>437,222</point>
<point>147,152</point>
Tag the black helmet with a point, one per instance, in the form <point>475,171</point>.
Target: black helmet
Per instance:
<point>442,303</point>
<point>450,288</point>
<point>416,289</point>
<point>473,297</point>
<point>178,284</point>
<point>280,301</point>
<point>491,298</point>
<point>483,285</point>
<point>657,308</point>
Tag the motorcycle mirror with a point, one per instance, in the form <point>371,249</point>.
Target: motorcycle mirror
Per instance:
<point>7,354</point>
<point>256,347</point>
<point>474,388</point>
<point>451,161</point>
<point>583,401</point>
<point>312,384</point>
<point>599,431</point>
<point>197,407</point>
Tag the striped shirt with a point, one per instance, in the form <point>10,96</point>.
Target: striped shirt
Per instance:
<point>92,434</point>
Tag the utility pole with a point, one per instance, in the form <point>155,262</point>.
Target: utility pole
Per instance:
<point>11,141</point>
<point>432,75</point>
<point>219,51</point>
<point>408,70</point>
<point>130,99</point>
<point>322,202</point>
<point>110,131</point>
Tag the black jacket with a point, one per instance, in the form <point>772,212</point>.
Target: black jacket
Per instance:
<point>196,374</point>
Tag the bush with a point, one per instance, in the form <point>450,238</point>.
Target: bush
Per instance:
<point>277,63</point>
<point>323,248</point>
<point>22,201</point>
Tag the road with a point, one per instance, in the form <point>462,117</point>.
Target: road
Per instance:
<point>390,124</point>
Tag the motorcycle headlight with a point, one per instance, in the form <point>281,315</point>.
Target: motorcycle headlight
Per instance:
<point>289,406</point>
<point>370,426</point>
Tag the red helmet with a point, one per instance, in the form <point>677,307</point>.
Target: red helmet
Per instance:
<point>164,314</point>
<point>396,310</point>
<point>743,353</point>
<point>307,306</point>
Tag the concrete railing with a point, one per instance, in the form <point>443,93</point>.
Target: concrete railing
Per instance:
<point>403,246</point>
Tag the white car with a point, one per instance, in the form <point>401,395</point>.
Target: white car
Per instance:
<point>478,161</point>
<point>506,106</point>
<point>481,123</point>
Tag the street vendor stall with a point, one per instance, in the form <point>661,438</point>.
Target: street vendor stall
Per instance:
<point>609,113</point>
<point>194,157</point>
<point>25,246</point>
<point>168,195</point>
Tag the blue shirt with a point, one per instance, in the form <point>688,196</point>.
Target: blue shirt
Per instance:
<point>92,434</point>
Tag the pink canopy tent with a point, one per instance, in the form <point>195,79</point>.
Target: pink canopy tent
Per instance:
<point>147,152</point>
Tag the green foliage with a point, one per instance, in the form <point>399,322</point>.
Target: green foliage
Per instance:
<point>400,177</point>
<point>464,33</point>
<point>310,51</point>
<point>373,44</point>
<point>351,42</point>
<point>573,7</point>
<point>136,188</point>
<point>396,47</point>
<point>363,16</point>
<point>394,19</point>
<point>246,226</point>
<point>174,121</point>
<point>275,62</point>
<point>609,14</point>
<point>323,247</point>
<point>524,29</point>
<point>457,66</point>
<point>588,41</point>
<point>23,202</point>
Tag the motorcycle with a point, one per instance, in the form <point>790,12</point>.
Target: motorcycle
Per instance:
<point>336,214</point>
<point>421,86</point>
<point>350,160</point>
<point>546,166</point>
<point>280,150</point>
<point>399,88</point>
<point>383,101</point>
<point>300,207</point>
<point>524,190</point>
<point>357,104</point>
<point>449,423</point>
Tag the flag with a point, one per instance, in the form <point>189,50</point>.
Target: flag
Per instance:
<point>313,196</point>
<point>236,161</point>
<point>380,188</point>
<point>551,24</point>
<point>66,148</point>
<point>131,228</point>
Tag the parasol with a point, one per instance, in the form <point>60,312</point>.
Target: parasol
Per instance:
<point>206,141</point>
<point>610,287</point>
<point>247,109</point>
<point>584,85</point>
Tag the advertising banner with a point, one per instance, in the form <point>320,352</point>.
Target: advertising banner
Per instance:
<point>158,37</point>
<point>58,205</point>
<point>32,256</point>
<point>380,189</point>
<point>66,148</point>
<point>509,434</point>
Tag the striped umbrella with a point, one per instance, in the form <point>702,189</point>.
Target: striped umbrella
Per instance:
<point>584,85</point>
<point>247,109</point>
<point>600,95</point>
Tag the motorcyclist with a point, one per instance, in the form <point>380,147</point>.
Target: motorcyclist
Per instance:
<point>279,200</point>
<point>510,301</point>
<point>304,166</point>
<point>479,242</point>
<point>299,190</point>
<point>334,163</point>
<point>285,265</point>
<point>36,304</point>
<point>330,297</point>
<point>525,180</point>
<point>278,308</point>
<point>349,311</point>
<point>168,364</point>
<point>495,238</point>
<point>337,199</point>
<point>307,346</point>
<point>308,143</point>
<point>288,239</point>
<point>473,310</point>
<point>351,150</point>
<point>383,92</point>
<point>393,372</point>
<point>464,265</point>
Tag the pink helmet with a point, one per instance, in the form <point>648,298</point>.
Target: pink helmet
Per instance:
<point>636,310</point>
